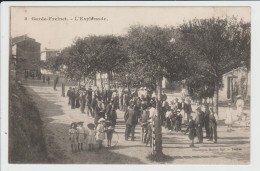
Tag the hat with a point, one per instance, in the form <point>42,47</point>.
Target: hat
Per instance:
<point>198,109</point>
<point>81,122</point>
<point>91,126</point>
<point>101,120</point>
<point>110,128</point>
<point>178,110</point>
<point>238,96</point>
<point>150,120</point>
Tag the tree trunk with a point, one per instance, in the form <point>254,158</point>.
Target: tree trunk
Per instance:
<point>95,79</point>
<point>157,120</point>
<point>101,82</point>
<point>246,88</point>
<point>216,96</point>
<point>108,79</point>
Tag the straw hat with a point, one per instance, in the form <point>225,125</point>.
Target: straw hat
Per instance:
<point>80,123</point>
<point>101,120</point>
<point>110,128</point>
<point>198,109</point>
<point>238,96</point>
<point>150,120</point>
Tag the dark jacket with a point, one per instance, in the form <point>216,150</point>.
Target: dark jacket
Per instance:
<point>189,109</point>
<point>182,107</point>
<point>131,117</point>
<point>199,119</point>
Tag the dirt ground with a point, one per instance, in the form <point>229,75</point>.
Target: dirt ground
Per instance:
<point>232,147</point>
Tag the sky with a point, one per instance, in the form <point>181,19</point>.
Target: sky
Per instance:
<point>117,20</point>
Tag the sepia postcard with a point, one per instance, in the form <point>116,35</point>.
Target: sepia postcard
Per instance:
<point>129,85</point>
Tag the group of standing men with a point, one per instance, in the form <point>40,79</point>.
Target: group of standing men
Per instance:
<point>98,104</point>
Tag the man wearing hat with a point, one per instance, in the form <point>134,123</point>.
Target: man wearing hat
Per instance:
<point>188,110</point>
<point>199,123</point>
<point>82,101</point>
<point>73,98</point>
<point>69,95</point>
<point>131,121</point>
<point>178,121</point>
<point>89,102</point>
<point>183,107</point>
<point>213,119</point>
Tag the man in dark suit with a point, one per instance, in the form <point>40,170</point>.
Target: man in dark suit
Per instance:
<point>89,102</point>
<point>213,119</point>
<point>183,107</point>
<point>199,123</point>
<point>188,110</point>
<point>69,95</point>
<point>73,98</point>
<point>82,101</point>
<point>131,119</point>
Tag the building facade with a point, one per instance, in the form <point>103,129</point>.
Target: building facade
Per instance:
<point>26,53</point>
<point>49,53</point>
<point>235,82</point>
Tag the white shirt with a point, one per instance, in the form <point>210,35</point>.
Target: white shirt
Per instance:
<point>153,112</point>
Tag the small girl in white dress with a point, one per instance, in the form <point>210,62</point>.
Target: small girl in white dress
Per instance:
<point>101,135</point>
<point>91,140</point>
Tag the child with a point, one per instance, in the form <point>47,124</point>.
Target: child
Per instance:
<point>73,136</point>
<point>110,131</point>
<point>100,136</point>
<point>192,131</point>
<point>81,135</point>
<point>149,132</point>
<point>91,133</point>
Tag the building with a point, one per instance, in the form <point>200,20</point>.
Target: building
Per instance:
<point>235,82</point>
<point>25,55</point>
<point>45,55</point>
<point>49,53</point>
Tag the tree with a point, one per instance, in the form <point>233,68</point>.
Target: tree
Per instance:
<point>107,54</point>
<point>215,47</point>
<point>77,59</point>
<point>155,52</point>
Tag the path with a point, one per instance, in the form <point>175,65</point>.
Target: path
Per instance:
<point>232,148</point>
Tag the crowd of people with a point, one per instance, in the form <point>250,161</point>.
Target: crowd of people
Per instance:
<point>139,106</point>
